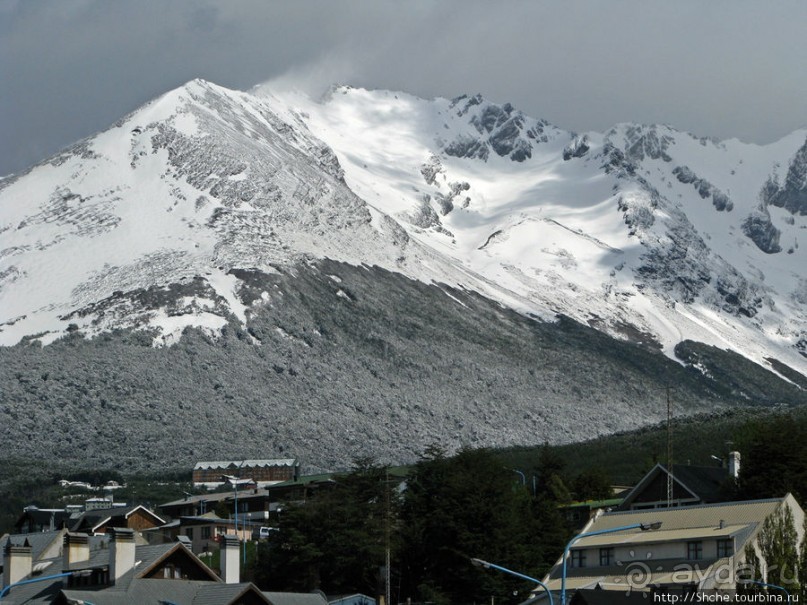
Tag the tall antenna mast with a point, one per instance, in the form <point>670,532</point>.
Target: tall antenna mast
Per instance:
<point>387,583</point>
<point>669,450</point>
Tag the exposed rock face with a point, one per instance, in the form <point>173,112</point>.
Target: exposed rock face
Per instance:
<point>644,142</point>
<point>446,201</point>
<point>431,169</point>
<point>505,130</point>
<point>792,196</point>
<point>425,217</point>
<point>615,161</point>
<point>704,188</point>
<point>760,229</point>
<point>468,147</point>
<point>577,148</point>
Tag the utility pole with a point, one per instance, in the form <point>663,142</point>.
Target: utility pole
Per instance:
<point>669,450</point>
<point>387,587</point>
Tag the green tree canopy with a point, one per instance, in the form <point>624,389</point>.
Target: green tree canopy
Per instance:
<point>470,505</point>
<point>337,540</point>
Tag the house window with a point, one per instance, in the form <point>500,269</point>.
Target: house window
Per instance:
<point>606,556</point>
<point>189,533</point>
<point>695,550</point>
<point>206,532</point>
<point>725,548</point>
<point>578,558</point>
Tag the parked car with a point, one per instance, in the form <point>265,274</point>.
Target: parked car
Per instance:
<point>262,533</point>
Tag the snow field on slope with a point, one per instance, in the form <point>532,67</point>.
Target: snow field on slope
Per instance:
<point>545,224</point>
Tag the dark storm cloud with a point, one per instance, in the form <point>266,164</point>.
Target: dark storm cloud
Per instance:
<point>722,67</point>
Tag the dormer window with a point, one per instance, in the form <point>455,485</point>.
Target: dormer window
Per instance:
<point>725,548</point>
<point>172,572</point>
<point>695,550</point>
<point>606,556</point>
<point>578,558</point>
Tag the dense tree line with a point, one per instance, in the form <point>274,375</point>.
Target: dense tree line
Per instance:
<point>449,510</point>
<point>476,505</point>
<point>774,458</point>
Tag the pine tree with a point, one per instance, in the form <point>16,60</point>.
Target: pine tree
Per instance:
<point>468,506</point>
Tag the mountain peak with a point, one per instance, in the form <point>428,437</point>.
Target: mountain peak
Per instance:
<point>640,228</point>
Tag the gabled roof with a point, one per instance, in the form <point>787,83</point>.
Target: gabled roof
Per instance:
<point>41,542</point>
<point>705,481</point>
<point>93,519</point>
<point>178,547</point>
<point>43,517</point>
<point>702,482</point>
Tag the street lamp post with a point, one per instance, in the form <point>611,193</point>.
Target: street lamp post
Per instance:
<point>642,526</point>
<point>487,565</point>
<point>234,480</point>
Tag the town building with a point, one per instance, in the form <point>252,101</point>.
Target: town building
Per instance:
<point>35,520</point>
<point>99,521</point>
<point>202,534</point>
<point>691,485</point>
<point>676,550</point>
<point>261,473</point>
<point>115,570</point>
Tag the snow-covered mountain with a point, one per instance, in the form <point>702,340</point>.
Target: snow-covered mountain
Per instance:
<point>644,232</point>
<point>227,210</point>
<point>197,182</point>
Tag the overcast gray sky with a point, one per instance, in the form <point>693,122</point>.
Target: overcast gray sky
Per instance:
<point>69,68</point>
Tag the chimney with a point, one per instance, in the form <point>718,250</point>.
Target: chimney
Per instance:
<point>17,562</point>
<point>734,464</point>
<point>76,549</point>
<point>229,561</point>
<point>121,553</point>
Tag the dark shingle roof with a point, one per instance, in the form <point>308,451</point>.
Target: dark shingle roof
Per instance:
<point>44,517</point>
<point>295,598</point>
<point>40,593</point>
<point>39,541</point>
<point>93,518</point>
<point>181,592</point>
<point>705,481</point>
<point>210,497</point>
